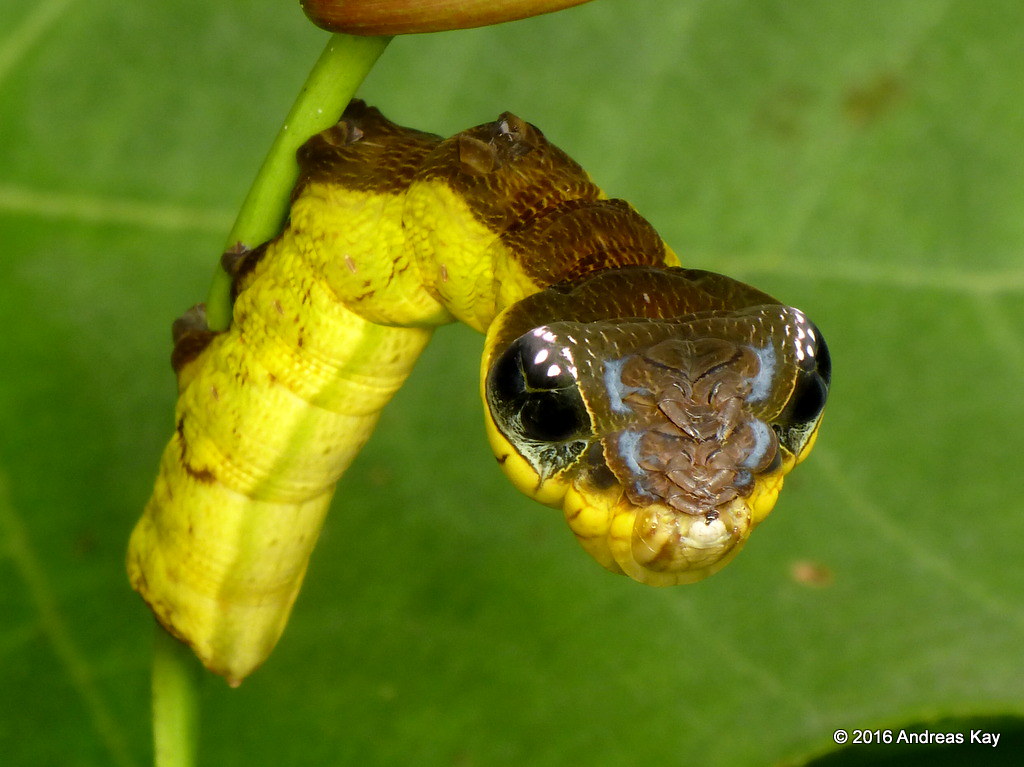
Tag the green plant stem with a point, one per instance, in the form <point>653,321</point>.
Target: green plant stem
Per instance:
<point>333,81</point>
<point>175,702</point>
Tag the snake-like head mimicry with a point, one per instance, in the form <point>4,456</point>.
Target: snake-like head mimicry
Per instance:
<point>665,437</point>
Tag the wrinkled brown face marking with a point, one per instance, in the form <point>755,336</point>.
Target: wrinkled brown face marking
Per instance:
<point>695,443</point>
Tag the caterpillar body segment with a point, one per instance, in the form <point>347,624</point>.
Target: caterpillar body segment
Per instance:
<point>245,482</point>
<point>497,213</point>
<point>270,414</point>
<point>351,201</point>
<point>659,407</point>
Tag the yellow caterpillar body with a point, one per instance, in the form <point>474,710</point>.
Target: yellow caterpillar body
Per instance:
<point>393,232</point>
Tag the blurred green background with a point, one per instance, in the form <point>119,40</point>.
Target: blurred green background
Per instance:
<point>864,161</point>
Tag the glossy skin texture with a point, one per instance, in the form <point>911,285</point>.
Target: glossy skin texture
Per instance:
<point>659,407</point>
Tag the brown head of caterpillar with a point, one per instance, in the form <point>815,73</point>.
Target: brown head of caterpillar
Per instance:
<point>663,429</point>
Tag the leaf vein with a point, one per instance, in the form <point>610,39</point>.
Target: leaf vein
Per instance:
<point>53,626</point>
<point>865,509</point>
<point>90,209</point>
<point>32,28</point>
<point>977,284</point>
<point>1005,341</point>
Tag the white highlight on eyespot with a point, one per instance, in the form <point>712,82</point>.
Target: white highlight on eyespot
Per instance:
<point>566,354</point>
<point>544,333</point>
<point>805,346</point>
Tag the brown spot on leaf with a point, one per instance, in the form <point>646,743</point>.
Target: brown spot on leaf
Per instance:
<point>85,543</point>
<point>866,102</point>
<point>380,476</point>
<point>783,111</point>
<point>809,573</point>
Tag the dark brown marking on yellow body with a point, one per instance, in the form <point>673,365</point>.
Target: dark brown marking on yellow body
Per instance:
<point>240,263</point>
<point>230,258</point>
<point>191,336</point>
<point>364,151</point>
<point>200,475</point>
<point>581,237</point>
<point>553,220</point>
<point>544,176</point>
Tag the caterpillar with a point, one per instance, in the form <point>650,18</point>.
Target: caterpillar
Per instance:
<point>659,407</point>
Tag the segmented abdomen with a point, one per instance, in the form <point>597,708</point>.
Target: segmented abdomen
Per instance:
<point>269,416</point>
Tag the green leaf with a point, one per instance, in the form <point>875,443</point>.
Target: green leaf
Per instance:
<point>863,161</point>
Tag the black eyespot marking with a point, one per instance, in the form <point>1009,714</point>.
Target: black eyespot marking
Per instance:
<point>823,359</point>
<point>808,399</point>
<point>551,416</point>
<point>532,391</point>
<point>797,422</point>
<point>811,388</point>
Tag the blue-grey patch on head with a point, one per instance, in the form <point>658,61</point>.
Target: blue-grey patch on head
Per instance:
<point>629,448</point>
<point>761,384</point>
<point>615,388</point>
<point>762,441</point>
